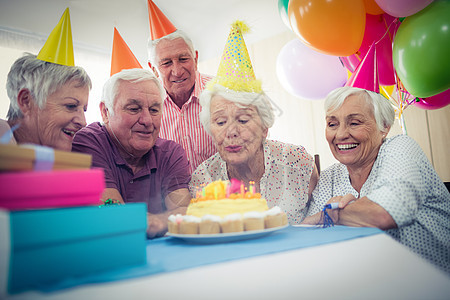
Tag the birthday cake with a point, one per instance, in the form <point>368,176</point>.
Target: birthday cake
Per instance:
<point>225,207</point>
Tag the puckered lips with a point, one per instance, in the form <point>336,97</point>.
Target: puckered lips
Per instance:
<point>347,147</point>
<point>233,148</point>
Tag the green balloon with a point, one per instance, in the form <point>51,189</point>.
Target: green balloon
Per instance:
<point>283,10</point>
<point>421,53</point>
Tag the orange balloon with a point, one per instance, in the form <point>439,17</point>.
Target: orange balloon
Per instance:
<point>372,7</point>
<point>333,27</point>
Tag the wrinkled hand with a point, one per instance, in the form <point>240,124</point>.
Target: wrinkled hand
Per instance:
<point>155,226</point>
<point>343,202</point>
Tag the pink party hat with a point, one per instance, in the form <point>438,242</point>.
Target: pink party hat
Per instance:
<point>366,73</point>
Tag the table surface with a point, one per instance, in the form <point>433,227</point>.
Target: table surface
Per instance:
<point>373,267</point>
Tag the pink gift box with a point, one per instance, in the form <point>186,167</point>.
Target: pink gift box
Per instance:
<point>49,189</point>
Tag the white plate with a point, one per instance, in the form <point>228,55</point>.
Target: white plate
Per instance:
<point>309,226</point>
<point>224,237</point>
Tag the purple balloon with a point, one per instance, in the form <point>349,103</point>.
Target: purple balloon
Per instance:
<point>308,74</point>
<point>402,8</point>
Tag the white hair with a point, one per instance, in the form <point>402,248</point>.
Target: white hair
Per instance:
<point>41,78</point>
<point>260,100</point>
<point>382,109</point>
<point>174,35</point>
<point>111,87</point>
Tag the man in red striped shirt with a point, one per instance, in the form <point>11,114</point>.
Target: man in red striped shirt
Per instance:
<point>175,60</point>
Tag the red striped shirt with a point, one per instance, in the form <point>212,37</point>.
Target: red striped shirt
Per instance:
<point>183,126</point>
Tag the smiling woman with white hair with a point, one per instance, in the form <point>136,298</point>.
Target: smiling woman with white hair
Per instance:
<point>47,102</point>
<point>381,182</point>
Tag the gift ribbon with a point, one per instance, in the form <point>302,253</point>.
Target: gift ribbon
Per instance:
<point>326,220</point>
<point>45,157</point>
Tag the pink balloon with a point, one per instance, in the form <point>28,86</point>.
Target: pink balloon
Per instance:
<point>380,29</point>
<point>308,74</point>
<point>434,102</point>
<point>402,8</point>
<point>366,75</point>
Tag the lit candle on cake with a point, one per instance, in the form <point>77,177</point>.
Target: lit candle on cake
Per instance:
<point>252,187</point>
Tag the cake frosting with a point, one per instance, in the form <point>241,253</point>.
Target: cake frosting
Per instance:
<point>224,207</point>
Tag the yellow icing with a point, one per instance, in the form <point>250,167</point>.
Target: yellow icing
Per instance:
<point>225,207</point>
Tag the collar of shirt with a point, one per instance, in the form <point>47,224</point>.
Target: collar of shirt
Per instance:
<point>199,86</point>
<point>150,158</point>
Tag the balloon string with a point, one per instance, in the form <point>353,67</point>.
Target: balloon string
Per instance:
<point>385,24</point>
<point>394,21</point>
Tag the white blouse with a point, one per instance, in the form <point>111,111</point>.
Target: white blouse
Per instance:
<point>404,183</point>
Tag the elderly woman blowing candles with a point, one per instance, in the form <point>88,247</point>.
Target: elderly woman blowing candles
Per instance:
<point>379,182</point>
<point>237,114</point>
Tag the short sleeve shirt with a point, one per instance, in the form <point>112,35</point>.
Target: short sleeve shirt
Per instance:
<point>183,125</point>
<point>404,183</point>
<point>285,182</point>
<point>166,169</point>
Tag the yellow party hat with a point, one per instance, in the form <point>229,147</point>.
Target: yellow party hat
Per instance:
<point>235,70</point>
<point>58,48</point>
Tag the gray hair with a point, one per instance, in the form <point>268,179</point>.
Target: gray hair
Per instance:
<point>382,109</point>
<point>260,100</point>
<point>111,87</point>
<point>174,35</point>
<point>41,78</point>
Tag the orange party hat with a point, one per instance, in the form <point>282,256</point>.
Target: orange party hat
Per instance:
<point>159,24</point>
<point>122,57</point>
<point>58,48</point>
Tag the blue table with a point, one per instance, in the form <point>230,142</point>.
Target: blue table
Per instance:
<point>335,263</point>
